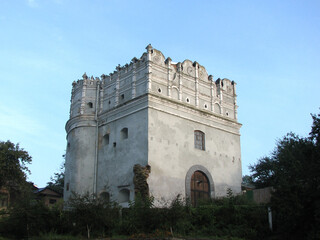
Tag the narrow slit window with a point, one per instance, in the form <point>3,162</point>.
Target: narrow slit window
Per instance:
<point>199,140</point>
<point>106,138</point>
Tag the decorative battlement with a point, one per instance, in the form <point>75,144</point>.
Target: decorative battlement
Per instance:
<point>186,82</point>
<point>85,81</point>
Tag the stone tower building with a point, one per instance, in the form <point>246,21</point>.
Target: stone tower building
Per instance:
<point>171,118</point>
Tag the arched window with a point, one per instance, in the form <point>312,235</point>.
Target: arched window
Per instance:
<point>217,108</point>
<point>124,196</point>
<point>124,133</point>
<point>199,140</point>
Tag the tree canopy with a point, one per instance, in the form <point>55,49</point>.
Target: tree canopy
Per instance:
<point>57,182</point>
<point>13,169</point>
<point>293,170</point>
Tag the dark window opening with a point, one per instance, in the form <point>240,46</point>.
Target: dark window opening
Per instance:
<point>106,138</point>
<point>90,104</point>
<point>124,133</point>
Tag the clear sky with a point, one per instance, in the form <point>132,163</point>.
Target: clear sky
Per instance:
<point>271,49</point>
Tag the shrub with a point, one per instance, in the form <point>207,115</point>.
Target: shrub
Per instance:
<point>90,215</point>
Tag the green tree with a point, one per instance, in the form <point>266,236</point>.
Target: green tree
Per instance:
<point>92,215</point>
<point>263,172</point>
<point>246,179</point>
<point>293,170</point>
<point>13,169</point>
<point>57,181</point>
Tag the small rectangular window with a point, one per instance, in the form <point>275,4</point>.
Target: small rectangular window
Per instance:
<point>199,140</point>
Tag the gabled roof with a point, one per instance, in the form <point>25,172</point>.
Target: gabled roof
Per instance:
<point>47,191</point>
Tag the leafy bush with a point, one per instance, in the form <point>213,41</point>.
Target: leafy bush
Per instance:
<point>89,216</point>
<point>140,217</point>
<point>27,218</point>
<point>229,217</point>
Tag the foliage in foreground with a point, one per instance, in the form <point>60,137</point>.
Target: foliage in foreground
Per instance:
<point>57,181</point>
<point>13,169</point>
<point>89,216</point>
<point>293,170</point>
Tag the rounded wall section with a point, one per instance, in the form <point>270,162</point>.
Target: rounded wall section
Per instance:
<point>80,160</point>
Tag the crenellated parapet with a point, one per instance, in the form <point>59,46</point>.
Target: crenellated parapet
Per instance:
<point>189,83</point>
<point>186,82</point>
<point>83,96</point>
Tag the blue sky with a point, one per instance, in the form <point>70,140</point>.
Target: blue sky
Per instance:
<point>269,48</point>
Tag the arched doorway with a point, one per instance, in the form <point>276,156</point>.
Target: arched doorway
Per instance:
<point>207,178</point>
<point>200,187</point>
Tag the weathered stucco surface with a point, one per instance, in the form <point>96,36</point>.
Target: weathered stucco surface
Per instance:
<point>172,152</point>
<point>146,113</point>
